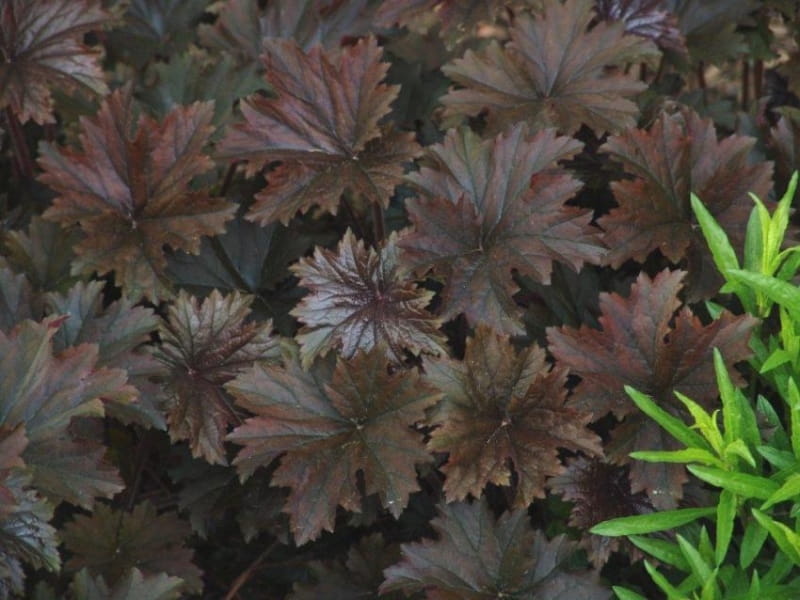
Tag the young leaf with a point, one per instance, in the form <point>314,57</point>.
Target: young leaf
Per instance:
<point>359,298</point>
<point>128,188</point>
<point>645,18</point>
<point>493,206</point>
<point>479,558</point>
<point>335,428</point>
<point>644,344</point>
<point>41,45</point>
<point>110,542</point>
<point>680,154</point>
<point>205,345</point>
<point>503,412</point>
<point>555,72</point>
<point>599,491</point>
<point>323,126</point>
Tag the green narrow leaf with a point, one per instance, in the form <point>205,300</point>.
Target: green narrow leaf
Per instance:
<point>726,515</point>
<point>721,250</point>
<point>753,242</point>
<point>782,292</point>
<point>666,552</point>
<point>705,422</point>
<point>779,223</point>
<point>788,541</point>
<point>696,563</point>
<point>787,491</point>
<point>668,519</point>
<point>749,486</point>
<point>740,449</point>
<point>626,594</point>
<point>778,357</point>
<point>793,399</point>
<point>671,591</point>
<point>752,541</point>
<point>675,427</point>
<point>687,455</point>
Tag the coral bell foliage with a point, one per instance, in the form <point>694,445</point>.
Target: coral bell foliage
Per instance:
<point>342,298</point>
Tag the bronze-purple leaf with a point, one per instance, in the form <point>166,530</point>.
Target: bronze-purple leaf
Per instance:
<point>41,45</point>
<point>647,343</point>
<point>490,207</point>
<point>503,413</point>
<point>324,128</point>
<point>555,72</point>
<point>128,189</point>
<point>335,428</point>
<point>359,298</point>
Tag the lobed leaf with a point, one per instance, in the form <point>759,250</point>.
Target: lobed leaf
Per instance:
<point>323,127</point>
<point>555,72</point>
<point>360,298</point>
<point>491,207</point>
<point>478,558</point>
<point>205,345</point>
<point>128,188</point>
<point>337,427</point>
<point>41,44</point>
<point>503,414</point>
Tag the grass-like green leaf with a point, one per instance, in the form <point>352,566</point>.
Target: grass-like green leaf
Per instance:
<point>659,521</point>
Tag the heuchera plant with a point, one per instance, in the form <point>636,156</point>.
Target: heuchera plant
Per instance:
<point>341,299</point>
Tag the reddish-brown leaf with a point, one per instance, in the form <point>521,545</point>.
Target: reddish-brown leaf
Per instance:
<point>492,206</point>
<point>12,443</point>
<point>205,346</point>
<point>599,491</point>
<point>678,155</point>
<point>128,188</point>
<point>41,45</point>
<point>648,344</point>
<point>337,428</point>
<point>555,72</point>
<point>360,298</point>
<point>479,558</point>
<point>503,412</point>
<point>323,126</point>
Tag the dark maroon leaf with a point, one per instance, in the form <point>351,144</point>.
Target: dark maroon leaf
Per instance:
<point>503,412</point>
<point>110,542</point>
<point>339,429</point>
<point>205,345</point>
<point>599,491</point>
<point>128,188</point>
<point>41,46</point>
<point>44,393</point>
<point>490,207</point>
<point>479,558</point>
<point>323,126</point>
<point>360,298</point>
<point>555,72</point>
<point>678,155</point>
<point>645,18</point>
<point>648,344</point>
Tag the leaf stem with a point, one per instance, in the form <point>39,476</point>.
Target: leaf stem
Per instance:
<point>226,183</point>
<point>351,214</point>
<point>19,144</point>
<point>245,575</point>
<point>378,223</point>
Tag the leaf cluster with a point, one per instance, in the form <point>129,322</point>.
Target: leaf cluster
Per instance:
<point>342,298</point>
